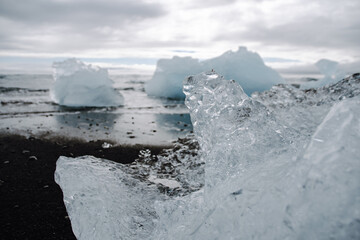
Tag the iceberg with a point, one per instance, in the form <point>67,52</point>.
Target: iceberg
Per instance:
<point>246,67</point>
<point>80,85</point>
<point>281,164</point>
<point>332,72</point>
<point>169,75</point>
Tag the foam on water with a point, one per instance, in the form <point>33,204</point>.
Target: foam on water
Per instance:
<point>282,164</point>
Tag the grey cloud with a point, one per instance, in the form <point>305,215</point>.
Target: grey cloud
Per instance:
<point>315,32</point>
<point>336,26</point>
<point>78,12</point>
<point>210,3</point>
<point>45,26</point>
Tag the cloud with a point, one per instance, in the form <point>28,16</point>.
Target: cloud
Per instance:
<point>279,60</point>
<point>84,13</point>
<point>71,26</point>
<point>306,24</point>
<point>290,29</point>
<point>209,3</point>
<point>313,32</point>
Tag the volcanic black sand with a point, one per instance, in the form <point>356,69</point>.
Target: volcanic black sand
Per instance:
<point>31,203</point>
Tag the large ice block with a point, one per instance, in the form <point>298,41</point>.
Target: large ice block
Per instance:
<point>80,85</point>
<point>245,67</point>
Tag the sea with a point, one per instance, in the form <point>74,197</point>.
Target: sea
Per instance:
<point>27,109</point>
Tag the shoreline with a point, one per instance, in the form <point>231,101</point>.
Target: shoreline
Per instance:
<point>31,202</point>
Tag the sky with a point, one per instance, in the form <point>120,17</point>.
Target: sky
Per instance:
<point>131,36</point>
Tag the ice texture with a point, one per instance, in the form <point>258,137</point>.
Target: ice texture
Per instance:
<point>266,177</point>
<point>246,67</point>
<point>107,200</point>
<point>78,84</point>
<point>103,201</point>
<point>281,164</point>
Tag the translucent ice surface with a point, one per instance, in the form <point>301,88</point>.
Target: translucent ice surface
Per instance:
<point>106,200</point>
<point>77,85</point>
<point>103,202</point>
<point>281,164</point>
<point>246,67</point>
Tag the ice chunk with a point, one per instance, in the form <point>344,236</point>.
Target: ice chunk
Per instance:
<point>169,75</point>
<point>77,84</point>
<point>329,174</point>
<point>327,67</point>
<point>330,70</point>
<point>246,67</point>
<point>281,164</point>
<point>103,201</point>
<point>106,200</point>
<point>312,196</point>
<point>265,179</point>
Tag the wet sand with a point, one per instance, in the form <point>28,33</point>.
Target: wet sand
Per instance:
<point>31,203</point>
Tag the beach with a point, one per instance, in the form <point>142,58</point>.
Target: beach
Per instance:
<point>35,132</point>
<point>31,202</point>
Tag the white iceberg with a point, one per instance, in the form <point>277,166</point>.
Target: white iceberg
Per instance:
<point>169,75</point>
<point>80,85</point>
<point>247,68</point>
<point>332,72</point>
<point>282,164</point>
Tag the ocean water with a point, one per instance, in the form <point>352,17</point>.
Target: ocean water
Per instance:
<point>27,109</point>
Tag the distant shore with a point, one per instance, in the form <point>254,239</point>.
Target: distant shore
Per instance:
<point>31,203</point>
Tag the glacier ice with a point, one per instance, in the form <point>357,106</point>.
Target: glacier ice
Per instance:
<point>277,181</point>
<point>281,164</point>
<point>246,67</point>
<point>80,85</point>
<point>107,200</point>
<point>102,200</point>
<point>331,71</point>
<point>169,75</point>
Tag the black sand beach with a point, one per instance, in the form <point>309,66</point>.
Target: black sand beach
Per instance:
<point>31,203</point>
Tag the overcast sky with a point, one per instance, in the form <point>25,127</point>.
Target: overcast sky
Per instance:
<point>123,32</point>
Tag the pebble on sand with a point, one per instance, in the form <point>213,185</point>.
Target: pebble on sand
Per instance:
<point>33,158</point>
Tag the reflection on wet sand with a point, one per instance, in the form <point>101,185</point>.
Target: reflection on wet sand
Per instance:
<point>88,120</point>
<point>174,123</point>
<point>128,128</point>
